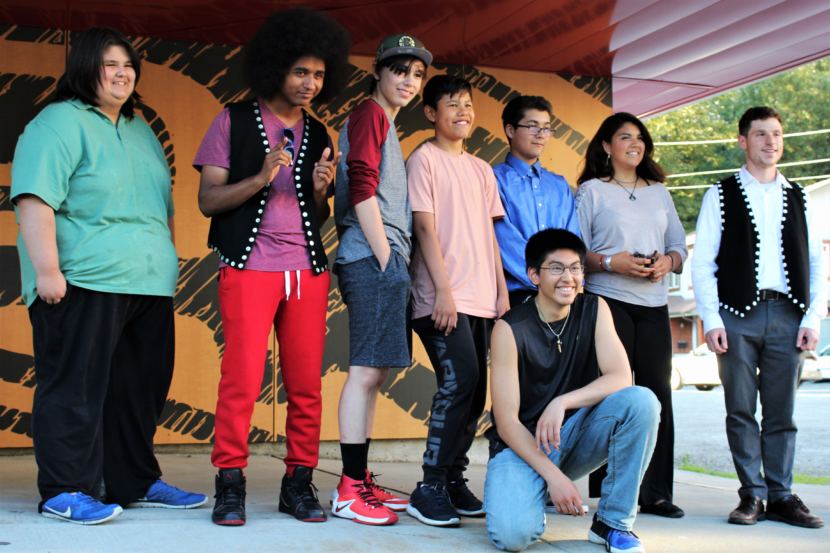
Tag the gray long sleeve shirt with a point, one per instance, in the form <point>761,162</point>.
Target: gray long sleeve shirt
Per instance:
<point>610,223</point>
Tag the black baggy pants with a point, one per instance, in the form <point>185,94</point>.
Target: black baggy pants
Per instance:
<point>460,364</point>
<point>103,364</point>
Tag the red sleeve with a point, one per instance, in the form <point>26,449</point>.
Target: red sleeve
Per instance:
<point>367,130</point>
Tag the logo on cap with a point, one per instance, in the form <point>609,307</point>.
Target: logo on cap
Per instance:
<point>406,42</point>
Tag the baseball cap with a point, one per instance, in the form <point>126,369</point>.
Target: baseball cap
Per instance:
<point>403,45</point>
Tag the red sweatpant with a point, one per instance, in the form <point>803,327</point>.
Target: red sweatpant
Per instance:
<point>251,302</point>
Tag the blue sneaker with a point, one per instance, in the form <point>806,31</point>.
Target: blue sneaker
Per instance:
<point>161,494</point>
<point>615,541</point>
<point>79,508</point>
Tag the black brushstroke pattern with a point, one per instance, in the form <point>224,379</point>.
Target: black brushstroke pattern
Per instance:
<point>21,98</point>
<point>9,276</point>
<point>15,421</point>
<point>17,368</point>
<point>200,424</point>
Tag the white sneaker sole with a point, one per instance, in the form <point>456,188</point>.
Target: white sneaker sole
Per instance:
<point>599,540</point>
<point>397,507</point>
<point>413,512</point>
<point>344,510</point>
<point>117,511</point>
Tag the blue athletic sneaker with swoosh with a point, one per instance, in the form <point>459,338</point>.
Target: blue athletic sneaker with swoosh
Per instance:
<point>161,494</point>
<point>615,541</point>
<point>79,508</point>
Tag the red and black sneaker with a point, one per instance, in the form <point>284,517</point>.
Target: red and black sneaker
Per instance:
<point>298,496</point>
<point>229,509</point>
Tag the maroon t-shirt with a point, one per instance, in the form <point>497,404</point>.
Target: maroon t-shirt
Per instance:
<point>280,244</point>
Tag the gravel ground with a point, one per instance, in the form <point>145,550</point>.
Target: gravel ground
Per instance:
<point>700,433</point>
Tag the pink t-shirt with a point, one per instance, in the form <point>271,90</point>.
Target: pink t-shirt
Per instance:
<point>280,244</point>
<point>460,191</point>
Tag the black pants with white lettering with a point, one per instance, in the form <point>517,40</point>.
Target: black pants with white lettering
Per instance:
<point>460,364</point>
<point>645,333</point>
<point>103,364</point>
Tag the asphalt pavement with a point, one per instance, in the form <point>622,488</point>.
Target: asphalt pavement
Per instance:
<point>700,431</point>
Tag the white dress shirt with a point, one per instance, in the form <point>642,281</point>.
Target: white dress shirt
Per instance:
<point>765,202</point>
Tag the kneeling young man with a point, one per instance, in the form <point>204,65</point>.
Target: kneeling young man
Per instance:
<point>562,395</point>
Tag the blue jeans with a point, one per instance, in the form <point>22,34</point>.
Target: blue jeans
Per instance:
<point>621,430</point>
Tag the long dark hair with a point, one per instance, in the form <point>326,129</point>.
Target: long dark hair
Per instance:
<point>83,68</point>
<point>597,164</point>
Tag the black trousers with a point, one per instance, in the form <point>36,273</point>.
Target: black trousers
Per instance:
<point>645,333</point>
<point>103,364</point>
<point>460,364</point>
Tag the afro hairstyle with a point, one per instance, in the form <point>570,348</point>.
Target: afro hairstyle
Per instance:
<point>289,35</point>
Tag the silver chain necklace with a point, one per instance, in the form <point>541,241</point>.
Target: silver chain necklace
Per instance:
<point>630,193</point>
<point>555,334</point>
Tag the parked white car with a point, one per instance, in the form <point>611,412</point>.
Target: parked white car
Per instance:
<point>699,368</point>
<point>817,365</point>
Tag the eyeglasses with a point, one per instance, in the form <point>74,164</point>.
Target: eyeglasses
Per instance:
<point>289,147</point>
<point>557,269</point>
<point>536,130</point>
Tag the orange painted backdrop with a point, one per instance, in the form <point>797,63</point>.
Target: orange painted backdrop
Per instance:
<point>184,85</point>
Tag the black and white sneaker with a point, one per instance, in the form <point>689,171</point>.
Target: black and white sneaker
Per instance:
<point>464,501</point>
<point>430,503</point>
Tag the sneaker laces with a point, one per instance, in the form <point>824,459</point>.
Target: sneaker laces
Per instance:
<point>440,495</point>
<point>307,493</point>
<point>230,493</point>
<point>365,493</point>
<point>164,491</point>
<point>371,481</point>
<point>86,500</point>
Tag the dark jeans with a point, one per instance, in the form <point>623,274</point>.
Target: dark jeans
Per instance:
<point>460,364</point>
<point>762,358</point>
<point>645,333</point>
<point>103,364</point>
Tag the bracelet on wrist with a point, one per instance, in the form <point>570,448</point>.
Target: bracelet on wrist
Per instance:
<point>606,263</point>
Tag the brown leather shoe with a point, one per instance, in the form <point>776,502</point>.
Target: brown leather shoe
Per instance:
<point>749,511</point>
<point>791,509</point>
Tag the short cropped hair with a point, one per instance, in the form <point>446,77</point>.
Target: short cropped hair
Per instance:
<point>547,241</point>
<point>516,108</point>
<point>757,113</point>
<point>83,68</point>
<point>444,85</point>
<point>289,35</point>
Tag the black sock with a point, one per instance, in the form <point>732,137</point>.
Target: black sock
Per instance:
<point>354,460</point>
<point>366,453</point>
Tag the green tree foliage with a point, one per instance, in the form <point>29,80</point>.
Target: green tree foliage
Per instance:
<point>801,96</point>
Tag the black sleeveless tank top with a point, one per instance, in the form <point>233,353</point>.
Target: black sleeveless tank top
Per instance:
<point>544,373</point>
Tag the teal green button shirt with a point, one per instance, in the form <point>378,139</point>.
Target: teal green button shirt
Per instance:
<point>110,188</point>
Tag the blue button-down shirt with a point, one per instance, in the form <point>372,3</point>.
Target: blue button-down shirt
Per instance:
<point>534,199</point>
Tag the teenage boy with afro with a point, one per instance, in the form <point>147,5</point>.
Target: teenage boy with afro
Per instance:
<point>266,176</point>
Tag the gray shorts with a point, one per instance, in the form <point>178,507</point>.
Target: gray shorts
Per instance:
<point>377,302</point>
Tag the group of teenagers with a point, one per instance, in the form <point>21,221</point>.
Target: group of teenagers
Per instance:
<point>562,297</point>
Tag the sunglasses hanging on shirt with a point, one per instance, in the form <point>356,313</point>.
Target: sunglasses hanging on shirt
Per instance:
<point>289,147</point>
